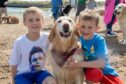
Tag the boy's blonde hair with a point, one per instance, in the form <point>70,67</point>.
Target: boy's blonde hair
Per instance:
<point>32,10</point>
<point>89,15</point>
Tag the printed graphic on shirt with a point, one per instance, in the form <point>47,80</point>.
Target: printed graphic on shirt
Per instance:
<point>89,55</point>
<point>36,59</point>
<point>92,49</point>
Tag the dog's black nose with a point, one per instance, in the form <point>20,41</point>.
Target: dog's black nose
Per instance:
<point>115,12</point>
<point>66,27</point>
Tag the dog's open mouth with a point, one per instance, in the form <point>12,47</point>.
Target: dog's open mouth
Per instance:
<point>117,13</point>
<point>65,34</point>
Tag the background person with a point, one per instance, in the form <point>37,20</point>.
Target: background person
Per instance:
<point>91,4</point>
<point>3,8</point>
<point>56,8</point>
<point>80,7</point>
<point>110,17</point>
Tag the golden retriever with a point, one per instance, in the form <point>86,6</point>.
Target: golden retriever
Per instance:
<point>120,12</point>
<point>9,20</point>
<point>64,44</point>
<point>14,20</point>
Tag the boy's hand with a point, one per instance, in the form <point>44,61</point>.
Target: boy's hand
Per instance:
<point>12,82</point>
<point>71,64</point>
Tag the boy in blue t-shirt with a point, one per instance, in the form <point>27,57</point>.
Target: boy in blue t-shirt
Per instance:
<point>96,65</point>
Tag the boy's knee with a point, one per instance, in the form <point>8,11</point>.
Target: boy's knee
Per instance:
<point>49,80</point>
<point>93,74</point>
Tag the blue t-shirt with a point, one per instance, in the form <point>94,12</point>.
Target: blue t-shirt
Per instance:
<point>96,48</point>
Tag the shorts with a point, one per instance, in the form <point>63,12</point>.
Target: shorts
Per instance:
<point>96,75</point>
<point>3,10</point>
<point>31,77</point>
<point>80,8</point>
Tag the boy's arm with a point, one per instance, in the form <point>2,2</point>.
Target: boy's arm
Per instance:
<point>13,71</point>
<point>100,63</point>
<point>15,59</point>
<point>100,53</point>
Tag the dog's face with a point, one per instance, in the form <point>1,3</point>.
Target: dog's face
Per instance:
<point>65,26</point>
<point>119,9</point>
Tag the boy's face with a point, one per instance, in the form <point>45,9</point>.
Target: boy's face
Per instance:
<point>34,22</point>
<point>87,28</point>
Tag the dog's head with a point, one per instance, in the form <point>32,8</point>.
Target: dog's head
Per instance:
<point>14,20</point>
<point>64,28</point>
<point>120,9</point>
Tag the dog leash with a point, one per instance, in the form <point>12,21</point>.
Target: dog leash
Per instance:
<point>65,55</point>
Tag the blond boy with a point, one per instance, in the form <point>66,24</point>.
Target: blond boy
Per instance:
<point>97,69</point>
<point>27,60</point>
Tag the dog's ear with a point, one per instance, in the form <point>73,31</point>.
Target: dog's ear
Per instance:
<point>52,33</point>
<point>76,32</point>
<point>124,9</point>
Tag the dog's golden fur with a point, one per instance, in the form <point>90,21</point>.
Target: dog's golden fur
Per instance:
<point>14,20</point>
<point>60,45</point>
<point>9,20</point>
<point>100,12</point>
<point>120,12</point>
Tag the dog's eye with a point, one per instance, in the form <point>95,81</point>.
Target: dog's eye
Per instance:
<point>70,20</point>
<point>59,21</point>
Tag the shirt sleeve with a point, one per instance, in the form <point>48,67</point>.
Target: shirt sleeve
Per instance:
<point>46,42</point>
<point>16,54</point>
<point>101,48</point>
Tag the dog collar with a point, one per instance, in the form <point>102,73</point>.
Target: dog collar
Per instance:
<point>67,55</point>
<point>64,56</point>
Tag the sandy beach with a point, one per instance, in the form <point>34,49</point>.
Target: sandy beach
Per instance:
<point>9,32</point>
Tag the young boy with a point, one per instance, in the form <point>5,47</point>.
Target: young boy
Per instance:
<point>96,66</point>
<point>27,60</point>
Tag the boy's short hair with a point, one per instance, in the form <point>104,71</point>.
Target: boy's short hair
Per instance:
<point>32,10</point>
<point>89,15</point>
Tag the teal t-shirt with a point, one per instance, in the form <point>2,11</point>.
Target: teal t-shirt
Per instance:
<point>96,48</point>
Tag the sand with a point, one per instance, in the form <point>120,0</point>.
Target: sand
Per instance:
<point>9,32</point>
